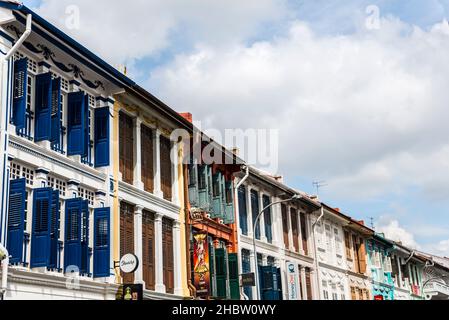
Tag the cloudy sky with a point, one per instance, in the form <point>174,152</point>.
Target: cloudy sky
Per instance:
<point>357,89</point>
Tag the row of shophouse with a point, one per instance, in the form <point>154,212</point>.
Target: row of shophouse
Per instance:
<point>91,172</point>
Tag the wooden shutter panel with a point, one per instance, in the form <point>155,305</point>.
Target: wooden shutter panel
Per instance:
<point>147,158</point>
<point>75,123</point>
<point>234,276</point>
<point>102,143</point>
<point>72,245</point>
<point>16,217</point>
<point>102,252</point>
<point>167,240</point>
<point>305,245</point>
<point>362,256</point>
<point>294,220</point>
<point>309,284</point>
<point>285,226</point>
<point>348,246</point>
<point>126,236</point>
<point>43,98</point>
<point>20,93</point>
<point>54,230</point>
<point>40,239</point>
<point>220,272</point>
<point>148,250</point>
<point>126,147</point>
<point>166,165</point>
<point>56,113</point>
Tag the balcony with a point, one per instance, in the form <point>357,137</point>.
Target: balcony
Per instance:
<point>436,291</point>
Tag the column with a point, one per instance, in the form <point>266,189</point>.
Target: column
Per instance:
<point>290,230</point>
<point>281,264</point>
<point>174,166</point>
<point>72,189</point>
<point>249,211</point>
<point>263,235</point>
<point>264,260</point>
<point>157,164</point>
<point>253,260</point>
<point>302,274</point>
<point>138,153</point>
<point>314,283</point>
<point>177,257</point>
<point>399,282</point>
<point>276,221</point>
<point>158,250</point>
<point>138,243</point>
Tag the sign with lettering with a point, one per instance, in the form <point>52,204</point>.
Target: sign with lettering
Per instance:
<point>248,280</point>
<point>379,297</point>
<point>201,265</point>
<point>129,263</point>
<point>292,281</point>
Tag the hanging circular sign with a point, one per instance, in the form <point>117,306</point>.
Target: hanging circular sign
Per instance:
<point>129,263</point>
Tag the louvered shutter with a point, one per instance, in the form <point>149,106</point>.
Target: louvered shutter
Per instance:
<point>102,144</point>
<point>279,283</point>
<point>220,272</point>
<point>43,99</point>
<point>268,276</point>
<point>148,256</point>
<point>193,185</point>
<point>305,245</point>
<point>294,220</point>
<point>234,276</point>
<point>126,148</point>
<point>126,236</point>
<point>309,284</point>
<point>230,214</point>
<point>16,217</point>
<point>40,238</point>
<point>203,193</point>
<point>216,196</point>
<point>147,159</point>
<point>20,93</point>
<point>255,211</point>
<point>102,252</point>
<point>243,212</point>
<point>167,240</point>
<point>166,165</point>
<point>72,246</point>
<point>285,227</point>
<point>362,256</point>
<point>75,125</point>
<point>267,219</point>
<point>56,113</point>
<point>54,230</point>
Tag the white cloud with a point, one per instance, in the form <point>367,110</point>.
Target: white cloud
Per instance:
<point>122,31</point>
<point>395,232</point>
<point>440,249</point>
<point>366,112</point>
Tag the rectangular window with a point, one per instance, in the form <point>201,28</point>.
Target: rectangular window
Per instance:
<point>255,211</point>
<point>126,148</point>
<point>348,246</point>
<point>267,219</point>
<point>16,220</point>
<point>166,168</point>
<point>126,236</point>
<point>147,159</point>
<point>101,135</point>
<point>243,212</point>
<point>295,231</point>
<point>304,231</point>
<point>40,241</point>
<point>148,256</point>
<point>309,283</point>
<point>285,227</point>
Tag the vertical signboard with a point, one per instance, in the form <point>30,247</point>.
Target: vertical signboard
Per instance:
<point>292,281</point>
<point>201,265</point>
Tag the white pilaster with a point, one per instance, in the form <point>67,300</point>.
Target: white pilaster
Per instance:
<point>159,274</point>
<point>138,153</point>
<point>157,164</point>
<point>253,270</point>
<point>177,258</point>
<point>301,248</point>
<point>250,211</point>
<point>72,189</point>
<point>42,177</point>
<point>304,284</point>
<point>290,230</point>
<point>138,243</point>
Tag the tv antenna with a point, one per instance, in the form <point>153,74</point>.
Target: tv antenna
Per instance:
<point>318,185</point>
<point>372,223</point>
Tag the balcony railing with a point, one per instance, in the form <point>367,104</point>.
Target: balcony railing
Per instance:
<point>437,287</point>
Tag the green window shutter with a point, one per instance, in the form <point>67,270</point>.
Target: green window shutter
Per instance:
<point>220,271</point>
<point>234,276</point>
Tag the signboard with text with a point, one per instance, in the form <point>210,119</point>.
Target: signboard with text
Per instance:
<point>292,281</point>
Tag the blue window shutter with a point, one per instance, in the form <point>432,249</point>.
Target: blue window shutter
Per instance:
<point>243,213</point>
<point>56,112</point>
<point>16,218</point>
<point>43,107</point>
<point>72,246</point>
<point>267,219</point>
<point>102,137</point>
<point>20,93</point>
<point>54,230</point>
<point>86,127</point>
<point>102,242</point>
<point>40,237</point>
<point>75,125</point>
<point>85,257</point>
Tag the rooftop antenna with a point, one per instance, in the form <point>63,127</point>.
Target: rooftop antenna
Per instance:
<point>372,223</point>
<point>318,185</point>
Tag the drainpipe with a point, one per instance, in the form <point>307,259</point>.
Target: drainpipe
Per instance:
<point>314,249</point>
<point>237,219</point>
<point>3,59</point>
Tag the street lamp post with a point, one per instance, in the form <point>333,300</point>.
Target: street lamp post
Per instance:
<point>295,197</point>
